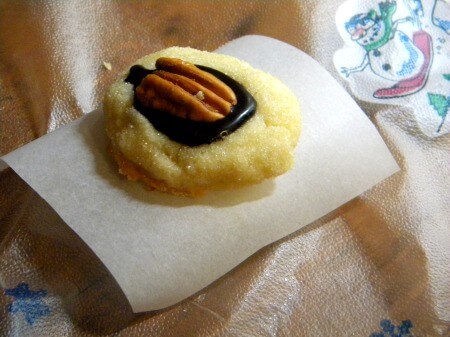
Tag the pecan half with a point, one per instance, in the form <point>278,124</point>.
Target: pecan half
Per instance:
<point>182,89</point>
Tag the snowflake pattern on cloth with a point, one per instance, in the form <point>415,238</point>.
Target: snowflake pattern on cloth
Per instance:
<point>29,303</point>
<point>388,329</point>
<point>397,52</point>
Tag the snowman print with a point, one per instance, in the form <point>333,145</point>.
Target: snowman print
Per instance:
<point>389,52</point>
<point>398,53</point>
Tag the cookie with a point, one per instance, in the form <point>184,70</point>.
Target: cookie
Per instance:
<point>185,121</point>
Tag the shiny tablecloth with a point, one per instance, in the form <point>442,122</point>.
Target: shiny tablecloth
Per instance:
<point>379,265</point>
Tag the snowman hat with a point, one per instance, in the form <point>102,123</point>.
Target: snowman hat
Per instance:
<point>362,19</point>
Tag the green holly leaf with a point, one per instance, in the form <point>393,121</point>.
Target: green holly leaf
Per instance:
<point>440,103</point>
<point>446,76</point>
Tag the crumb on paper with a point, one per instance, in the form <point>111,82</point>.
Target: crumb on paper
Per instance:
<point>107,65</point>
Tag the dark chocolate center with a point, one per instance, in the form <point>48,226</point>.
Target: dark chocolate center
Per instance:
<point>191,132</point>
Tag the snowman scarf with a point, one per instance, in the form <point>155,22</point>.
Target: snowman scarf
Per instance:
<point>387,11</point>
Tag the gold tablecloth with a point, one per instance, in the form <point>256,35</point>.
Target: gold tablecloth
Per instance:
<point>377,265</point>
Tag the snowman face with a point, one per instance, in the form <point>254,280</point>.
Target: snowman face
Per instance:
<point>373,34</point>
<point>365,29</point>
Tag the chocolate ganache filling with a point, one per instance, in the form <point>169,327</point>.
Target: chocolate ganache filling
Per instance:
<point>190,132</point>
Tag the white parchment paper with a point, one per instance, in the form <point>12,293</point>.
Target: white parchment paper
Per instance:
<point>162,248</point>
